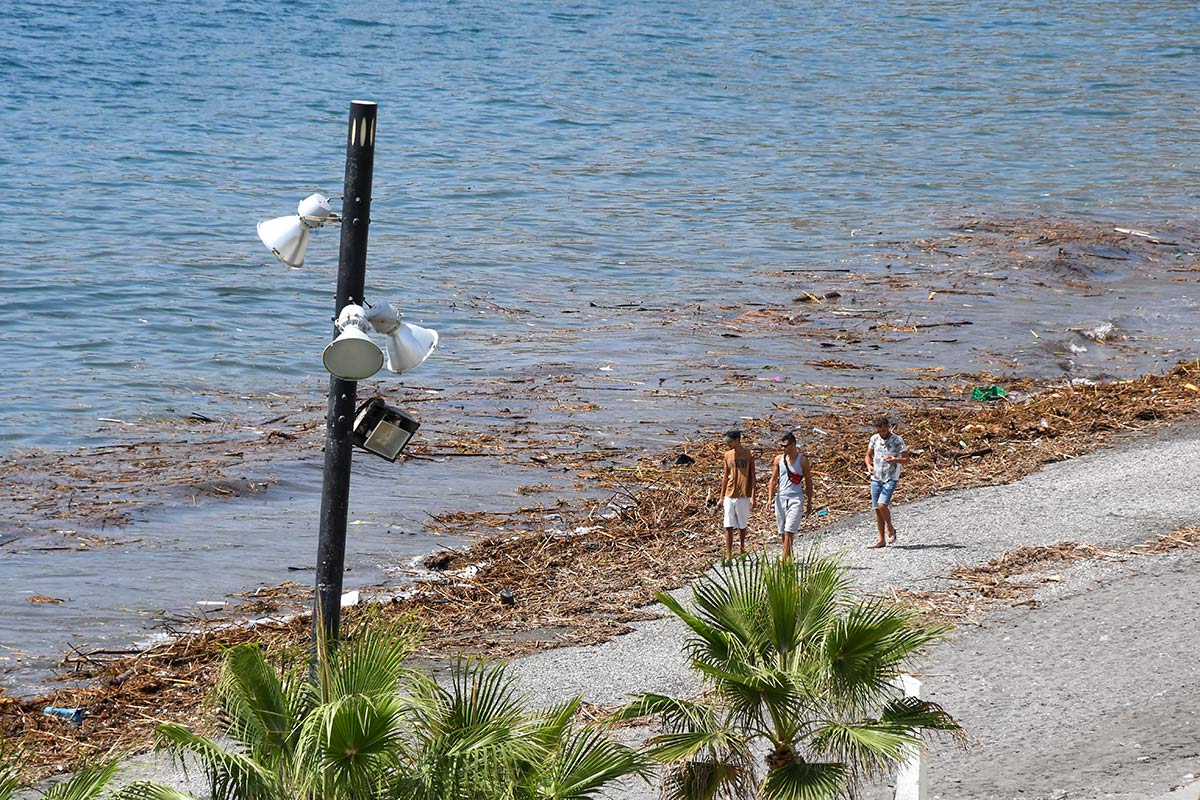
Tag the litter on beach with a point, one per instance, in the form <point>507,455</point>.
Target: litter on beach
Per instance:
<point>72,715</point>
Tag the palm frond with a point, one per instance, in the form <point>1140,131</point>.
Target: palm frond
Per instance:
<point>867,748</point>
<point>348,747</point>
<point>372,661</point>
<point>919,715</point>
<point>148,790</point>
<point>916,634</point>
<point>254,708</point>
<point>10,772</point>
<point>85,784</point>
<point>711,638</point>
<point>551,725</point>
<point>747,685</point>
<point>709,779</point>
<point>585,764</point>
<point>230,775</point>
<point>667,748</point>
<point>782,598</point>
<point>822,581</point>
<point>801,780</point>
<point>300,696</point>
<point>709,752</point>
<point>484,693</point>
<point>732,600</point>
<point>472,736</point>
<point>674,713</point>
<point>754,681</point>
<point>867,647</point>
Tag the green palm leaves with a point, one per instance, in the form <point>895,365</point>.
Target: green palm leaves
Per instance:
<point>10,774</point>
<point>798,670</point>
<point>800,704</point>
<point>288,736</point>
<point>368,727</point>
<point>474,739</point>
<point>89,783</point>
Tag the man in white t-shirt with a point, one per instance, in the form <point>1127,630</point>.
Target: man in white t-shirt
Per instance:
<point>885,453</point>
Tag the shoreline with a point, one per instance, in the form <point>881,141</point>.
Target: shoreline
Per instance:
<point>908,313</point>
<point>656,535</point>
<point>1012,671</point>
<point>592,386</point>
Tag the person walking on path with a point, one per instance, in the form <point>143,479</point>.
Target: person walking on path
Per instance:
<point>885,453</point>
<point>737,490</point>
<point>790,490</point>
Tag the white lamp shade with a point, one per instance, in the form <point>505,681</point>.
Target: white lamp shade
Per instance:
<point>287,237</point>
<point>384,318</point>
<point>352,356</point>
<point>408,346</point>
<point>315,209</point>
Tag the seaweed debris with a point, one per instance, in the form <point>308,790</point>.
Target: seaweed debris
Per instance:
<point>586,581</point>
<point>1013,577</point>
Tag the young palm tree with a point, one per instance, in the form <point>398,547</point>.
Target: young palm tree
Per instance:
<point>475,740</point>
<point>369,728</point>
<point>289,736</point>
<point>796,667</point>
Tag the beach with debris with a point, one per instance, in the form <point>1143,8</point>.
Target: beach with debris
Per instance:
<point>583,529</point>
<point>632,227</point>
<point>1071,659</point>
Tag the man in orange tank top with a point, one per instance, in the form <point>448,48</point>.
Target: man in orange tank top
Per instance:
<point>737,490</point>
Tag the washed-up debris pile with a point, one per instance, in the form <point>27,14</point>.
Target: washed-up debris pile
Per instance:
<point>584,581</point>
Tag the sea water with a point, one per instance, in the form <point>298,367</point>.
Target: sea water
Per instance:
<point>530,155</point>
<point>533,154</point>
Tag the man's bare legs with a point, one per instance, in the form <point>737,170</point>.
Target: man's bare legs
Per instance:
<point>885,511</point>
<point>881,525</point>
<point>787,545</point>
<point>729,541</point>
<point>883,522</point>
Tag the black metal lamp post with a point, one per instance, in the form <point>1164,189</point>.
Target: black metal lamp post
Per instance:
<point>339,424</point>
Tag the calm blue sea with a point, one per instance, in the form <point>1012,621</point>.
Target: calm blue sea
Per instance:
<point>526,151</point>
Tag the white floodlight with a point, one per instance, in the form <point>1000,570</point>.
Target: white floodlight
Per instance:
<point>287,237</point>
<point>352,356</point>
<point>408,345</point>
<point>383,430</point>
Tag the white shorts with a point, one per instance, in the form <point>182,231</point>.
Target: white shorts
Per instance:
<point>737,513</point>
<point>789,512</point>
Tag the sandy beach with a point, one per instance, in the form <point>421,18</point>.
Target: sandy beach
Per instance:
<point>1087,694</point>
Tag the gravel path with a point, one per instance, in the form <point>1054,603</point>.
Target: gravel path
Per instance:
<point>1092,694</point>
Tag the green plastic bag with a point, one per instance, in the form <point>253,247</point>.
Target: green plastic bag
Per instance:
<point>989,393</point>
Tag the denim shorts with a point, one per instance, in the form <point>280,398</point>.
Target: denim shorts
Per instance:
<point>881,493</point>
